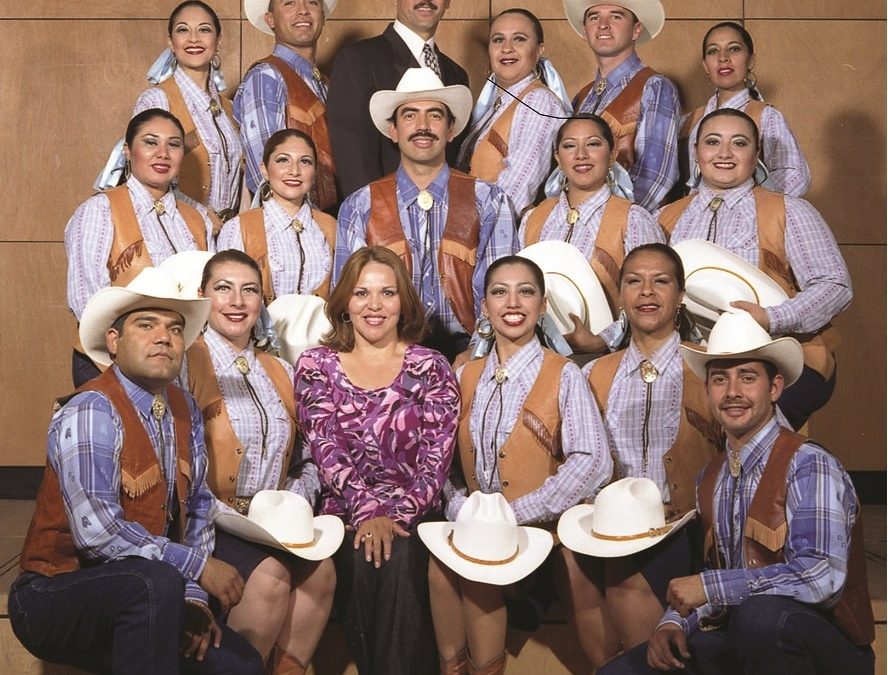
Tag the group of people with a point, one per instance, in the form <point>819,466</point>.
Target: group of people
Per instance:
<point>412,469</point>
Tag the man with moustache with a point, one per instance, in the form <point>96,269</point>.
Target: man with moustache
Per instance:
<point>285,90</point>
<point>116,566</point>
<point>640,105</point>
<point>446,225</point>
<point>784,583</point>
<point>374,64</point>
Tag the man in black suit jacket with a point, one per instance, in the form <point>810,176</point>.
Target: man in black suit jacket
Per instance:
<point>361,153</point>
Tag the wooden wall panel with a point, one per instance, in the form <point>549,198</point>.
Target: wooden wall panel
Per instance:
<point>832,91</point>
<point>37,353</point>
<point>852,425</point>
<point>64,108</point>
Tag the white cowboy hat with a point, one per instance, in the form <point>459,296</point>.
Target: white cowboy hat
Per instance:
<point>627,517</point>
<point>650,15</point>
<point>571,286</point>
<point>421,84</point>
<point>736,335</point>
<point>256,9</point>
<point>485,543</point>
<point>715,277</point>
<point>186,268</point>
<point>300,322</point>
<point>152,288</point>
<point>284,520</point>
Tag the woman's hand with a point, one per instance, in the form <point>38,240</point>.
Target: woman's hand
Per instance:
<point>377,535</point>
<point>582,340</point>
<point>200,632</point>
<point>759,313</point>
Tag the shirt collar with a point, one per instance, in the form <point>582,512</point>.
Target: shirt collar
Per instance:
<point>186,84</point>
<point>143,201</point>
<point>738,101</point>
<point>591,203</point>
<point>731,196</point>
<point>759,446</point>
<point>518,87</point>
<point>139,397</point>
<point>223,354</point>
<point>662,359</point>
<point>297,62</point>
<point>413,41</point>
<point>624,72</point>
<point>408,191</point>
<point>519,361</point>
<point>278,220</point>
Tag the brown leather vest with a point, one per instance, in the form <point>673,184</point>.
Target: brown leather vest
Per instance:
<point>622,114</point>
<point>770,217</point>
<point>308,114</point>
<point>459,244</point>
<point>608,253</point>
<point>49,546</point>
<point>754,109</point>
<point>491,150</point>
<point>697,441</point>
<point>532,452</point>
<point>224,449</point>
<point>194,174</point>
<point>766,529</point>
<point>255,240</point>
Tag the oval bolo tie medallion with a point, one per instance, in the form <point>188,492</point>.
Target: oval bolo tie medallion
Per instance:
<point>241,364</point>
<point>648,372</point>
<point>500,375</point>
<point>425,200</point>
<point>573,215</point>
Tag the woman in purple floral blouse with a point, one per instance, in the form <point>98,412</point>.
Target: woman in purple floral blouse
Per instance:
<point>379,413</point>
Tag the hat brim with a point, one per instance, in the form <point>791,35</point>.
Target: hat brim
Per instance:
<point>112,302</point>
<point>328,534</point>
<point>785,353</point>
<point>650,14</point>
<point>571,286</point>
<point>256,10</point>
<point>300,323</point>
<point>575,532</point>
<point>456,97</point>
<point>534,546</point>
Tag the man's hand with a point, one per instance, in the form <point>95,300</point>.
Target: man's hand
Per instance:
<point>221,580</point>
<point>663,645</point>
<point>201,631</point>
<point>582,340</point>
<point>759,313</point>
<point>377,536</point>
<point>685,594</point>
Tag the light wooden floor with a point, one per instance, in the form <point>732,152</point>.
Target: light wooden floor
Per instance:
<point>546,652</point>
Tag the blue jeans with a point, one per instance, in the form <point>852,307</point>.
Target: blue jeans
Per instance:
<point>120,617</point>
<point>766,635</point>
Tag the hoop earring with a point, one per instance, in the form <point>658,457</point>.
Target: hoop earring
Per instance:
<point>127,170</point>
<point>265,192</point>
<point>175,64</point>
<point>750,80</point>
<point>345,318</point>
<point>564,182</point>
<point>697,172</point>
<point>484,328</point>
<point>216,62</point>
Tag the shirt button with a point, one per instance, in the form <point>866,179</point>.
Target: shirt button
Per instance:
<point>231,479</point>
<point>668,459</point>
<point>502,455</point>
<point>505,483</point>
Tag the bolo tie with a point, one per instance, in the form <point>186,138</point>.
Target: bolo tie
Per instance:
<point>159,209</point>
<point>215,112</point>
<point>598,90</point>
<point>500,375</point>
<point>244,368</point>
<point>714,205</point>
<point>158,410</point>
<point>298,228</point>
<point>426,201</point>
<point>649,374</point>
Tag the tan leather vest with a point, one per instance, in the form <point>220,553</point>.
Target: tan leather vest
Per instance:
<point>532,452</point>
<point>607,255</point>
<point>765,531</point>
<point>696,443</point>
<point>770,218</point>
<point>308,114</point>
<point>622,114</point>
<point>194,174</point>
<point>488,158</point>
<point>255,240</point>
<point>459,244</point>
<point>224,449</point>
<point>49,545</point>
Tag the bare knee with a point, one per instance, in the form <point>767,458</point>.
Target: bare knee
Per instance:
<point>320,581</point>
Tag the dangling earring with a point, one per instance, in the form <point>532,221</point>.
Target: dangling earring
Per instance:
<point>265,191</point>
<point>174,63</point>
<point>750,80</point>
<point>677,323</point>
<point>564,182</point>
<point>127,171</point>
<point>697,173</point>
<point>538,70</point>
<point>484,328</point>
<point>345,317</point>
<point>216,62</point>
<point>609,177</point>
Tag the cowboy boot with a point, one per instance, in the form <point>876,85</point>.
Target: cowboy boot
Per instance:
<point>496,666</point>
<point>287,664</point>
<point>455,665</point>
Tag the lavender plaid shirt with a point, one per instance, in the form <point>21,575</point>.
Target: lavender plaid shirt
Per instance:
<point>90,233</point>
<point>84,444</point>
<point>497,237</point>
<point>656,139</point>
<point>587,465</point>
<point>260,106</point>
<point>821,507</point>
<point>222,142</point>
<point>787,167</point>
<point>284,260</point>
<point>811,250</point>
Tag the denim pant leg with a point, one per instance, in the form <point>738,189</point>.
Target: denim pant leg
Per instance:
<point>123,617</point>
<point>235,656</point>
<point>711,654</point>
<point>775,634</point>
